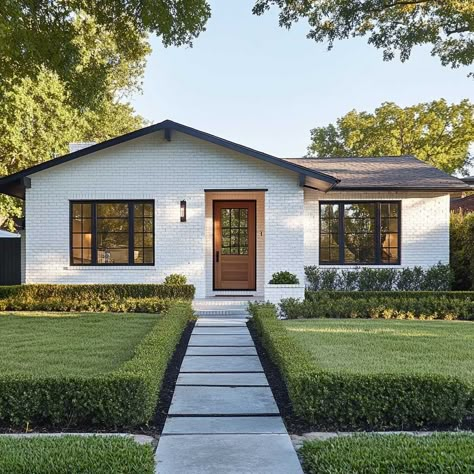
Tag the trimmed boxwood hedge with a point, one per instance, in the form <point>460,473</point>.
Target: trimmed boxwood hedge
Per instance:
<point>124,397</point>
<point>438,453</point>
<point>343,401</point>
<point>387,305</point>
<point>111,298</point>
<point>75,454</point>
<point>96,291</point>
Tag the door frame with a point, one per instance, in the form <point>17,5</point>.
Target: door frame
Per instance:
<point>214,201</point>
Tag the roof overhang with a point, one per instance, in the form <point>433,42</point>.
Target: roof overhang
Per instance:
<point>15,184</point>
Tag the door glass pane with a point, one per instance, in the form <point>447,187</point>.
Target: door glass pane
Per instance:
<point>234,231</point>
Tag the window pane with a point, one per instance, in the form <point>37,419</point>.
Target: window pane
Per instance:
<point>77,256</point>
<point>138,210</point>
<point>87,256</point>
<point>76,240</point>
<point>148,256</point>
<point>138,240</point>
<point>148,210</point>
<point>112,225</point>
<point>138,256</point>
<point>148,240</point>
<point>112,209</point>
<point>359,233</point>
<point>112,240</point>
<point>138,225</point>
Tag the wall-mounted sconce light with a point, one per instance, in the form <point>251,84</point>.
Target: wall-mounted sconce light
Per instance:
<point>183,211</point>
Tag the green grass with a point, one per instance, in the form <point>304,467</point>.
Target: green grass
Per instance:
<point>74,454</point>
<point>390,454</point>
<point>397,347</point>
<point>69,343</point>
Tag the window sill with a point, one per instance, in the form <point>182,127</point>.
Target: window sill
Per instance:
<point>109,267</point>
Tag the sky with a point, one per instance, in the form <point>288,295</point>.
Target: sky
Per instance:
<point>248,80</point>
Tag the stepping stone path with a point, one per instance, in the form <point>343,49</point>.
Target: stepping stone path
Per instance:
<point>223,417</point>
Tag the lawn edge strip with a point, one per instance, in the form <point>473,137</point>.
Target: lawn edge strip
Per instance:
<point>342,401</point>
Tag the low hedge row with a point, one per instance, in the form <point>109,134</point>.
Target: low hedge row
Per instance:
<point>439,453</point>
<point>362,295</point>
<point>75,454</point>
<point>386,306</point>
<point>342,401</point>
<point>96,305</point>
<point>40,292</point>
<point>125,397</point>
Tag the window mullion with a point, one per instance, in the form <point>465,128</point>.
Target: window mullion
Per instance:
<point>341,233</point>
<point>378,227</point>
<point>94,233</point>
<point>131,230</point>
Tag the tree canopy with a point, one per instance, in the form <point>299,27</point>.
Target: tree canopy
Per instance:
<point>395,26</point>
<point>92,46</point>
<point>435,132</point>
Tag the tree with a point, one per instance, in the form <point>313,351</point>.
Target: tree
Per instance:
<point>37,122</point>
<point>435,132</point>
<point>392,25</point>
<point>88,43</point>
<point>461,255</point>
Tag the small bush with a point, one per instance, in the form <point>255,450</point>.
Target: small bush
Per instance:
<point>387,305</point>
<point>176,279</point>
<point>124,397</point>
<point>284,278</point>
<point>78,454</point>
<point>344,401</point>
<point>439,453</point>
<point>436,278</point>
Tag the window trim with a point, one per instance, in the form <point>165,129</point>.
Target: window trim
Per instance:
<point>378,228</point>
<point>131,226</point>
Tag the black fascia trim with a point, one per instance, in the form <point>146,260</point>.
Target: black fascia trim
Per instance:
<point>169,124</point>
<point>401,188</point>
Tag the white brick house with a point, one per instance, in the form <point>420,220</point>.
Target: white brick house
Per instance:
<point>171,199</point>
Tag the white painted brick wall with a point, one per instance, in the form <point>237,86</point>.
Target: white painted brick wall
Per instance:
<point>424,226</point>
<point>168,172</point>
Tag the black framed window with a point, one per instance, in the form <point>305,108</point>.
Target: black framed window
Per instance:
<point>112,233</point>
<point>359,233</point>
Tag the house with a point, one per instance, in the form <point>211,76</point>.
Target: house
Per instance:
<point>172,199</point>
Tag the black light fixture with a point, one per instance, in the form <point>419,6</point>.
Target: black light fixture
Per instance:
<point>183,211</point>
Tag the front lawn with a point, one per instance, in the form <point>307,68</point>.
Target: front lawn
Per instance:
<point>379,346</point>
<point>70,344</point>
<point>453,453</point>
<point>74,454</point>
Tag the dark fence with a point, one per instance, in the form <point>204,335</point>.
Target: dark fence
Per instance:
<point>10,261</point>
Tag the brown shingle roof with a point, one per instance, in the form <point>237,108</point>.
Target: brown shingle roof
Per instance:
<point>387,172</point>
<point>465,204</point>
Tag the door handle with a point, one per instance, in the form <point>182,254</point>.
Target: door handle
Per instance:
<point>217,257</point>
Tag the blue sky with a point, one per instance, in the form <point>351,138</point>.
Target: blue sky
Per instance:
<point>250,81</point>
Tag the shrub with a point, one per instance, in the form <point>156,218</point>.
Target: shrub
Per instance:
<point>58,455</point>
<point>438,453</point>
<point>436,278</point>
<point>124,397</point>
<point>176,279</point>
<point>284,278</point>
<point>461,250</point>
<point>387,305</point>
<point>111,298</point>
<point>343,401</point>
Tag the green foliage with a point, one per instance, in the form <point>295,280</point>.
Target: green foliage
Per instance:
<point>284,278</point>
<point>176,279</point>
<point>395,27</point>
<point>436,454</point>
<point>436,278</point>
<point>78,454</point>
<point>374,306</point>
<point>93,47</point>
<point>435,132</point>
<point>125,397</point>
<point>342,401</point>
<point>462,250</point>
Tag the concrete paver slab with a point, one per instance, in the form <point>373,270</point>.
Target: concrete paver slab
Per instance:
<point>213,331</point>
<point>223,401</point>
<point>221,350</point>
<point>224,425</point>
<point>230,454</point>
<point>258,379</point>
<point>217,323</point>
<point>206,340</point>
<point>221,364</point>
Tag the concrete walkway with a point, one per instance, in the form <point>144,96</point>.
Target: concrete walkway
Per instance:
<point>223,417</point>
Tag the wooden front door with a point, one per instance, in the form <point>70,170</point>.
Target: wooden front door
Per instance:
<point>234,245</point>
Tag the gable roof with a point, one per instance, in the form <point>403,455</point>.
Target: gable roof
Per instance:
<point>16,183</point>
<point>383,173</point>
